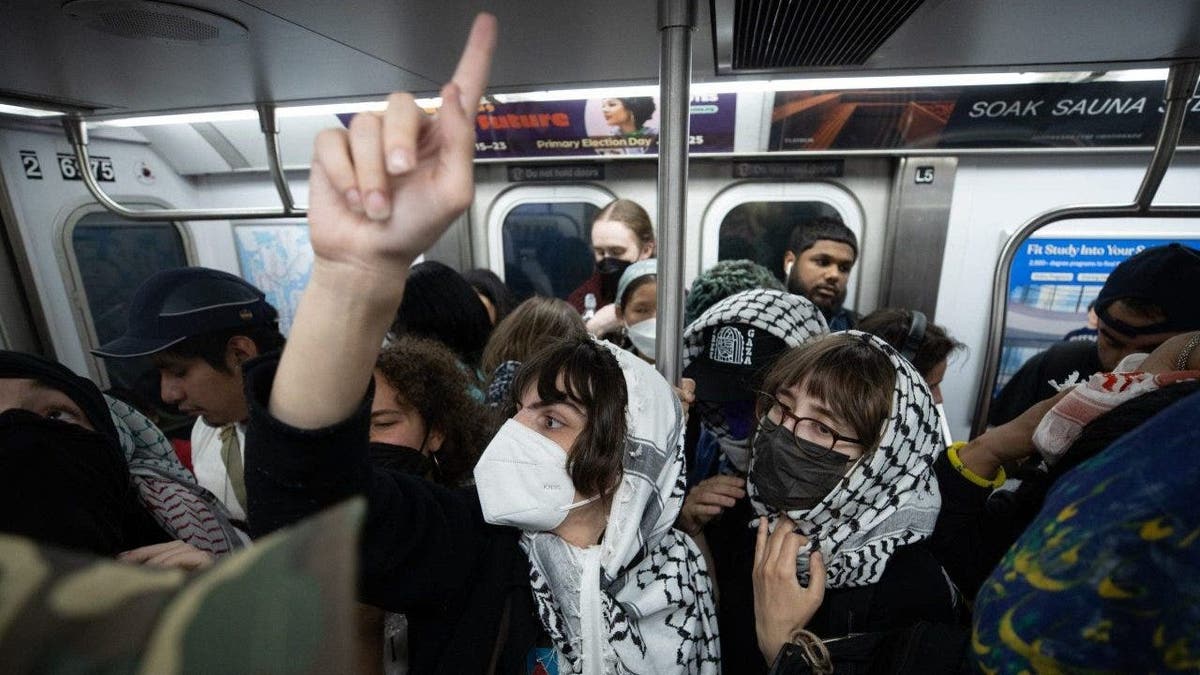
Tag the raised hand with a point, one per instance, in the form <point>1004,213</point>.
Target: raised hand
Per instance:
<point>781,605</point>
<point>380,194</point>
<point>384,191</point>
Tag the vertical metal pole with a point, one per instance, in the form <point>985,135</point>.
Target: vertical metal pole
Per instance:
<point>676,21</point>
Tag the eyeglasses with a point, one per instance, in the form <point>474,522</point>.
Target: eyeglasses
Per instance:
<point>776,413</point>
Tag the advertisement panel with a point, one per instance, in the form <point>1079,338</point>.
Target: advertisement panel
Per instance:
<point>1057,115</point>
<point>596,126</point>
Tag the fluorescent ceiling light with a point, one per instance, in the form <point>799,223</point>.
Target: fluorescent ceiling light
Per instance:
<point>186,118</point>
<point>7,109</point>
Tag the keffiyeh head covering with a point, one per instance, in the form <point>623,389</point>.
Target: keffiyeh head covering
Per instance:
<point>1100,393</point>
<point>888,500</point>
<point>168,491</point>
<point>789,317</point>
<point>641,600</point>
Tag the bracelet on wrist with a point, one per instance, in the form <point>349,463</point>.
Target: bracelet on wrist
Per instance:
<point>952,455</point>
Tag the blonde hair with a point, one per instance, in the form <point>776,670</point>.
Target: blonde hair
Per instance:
<point>630,214</point>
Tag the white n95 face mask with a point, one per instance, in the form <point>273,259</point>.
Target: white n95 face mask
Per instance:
<point>643,335</point>
<point>523,482</point>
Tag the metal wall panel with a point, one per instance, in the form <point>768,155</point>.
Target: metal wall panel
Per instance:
<point>919,217</point>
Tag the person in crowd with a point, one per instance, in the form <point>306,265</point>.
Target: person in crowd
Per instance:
<point>723,280</point>
<point>199,326</point>
<point>817,264</point>
<point>926,345</point>
<point>976,526</point>
<point>424,420</point>
<point>841,472</point>
<point>637,308</point>
<point>629,115</point>
<point>440,305</point>
<point>727,351</point>
<point>531,326</point>
<point>84,472</point>
<point>1142,304</point>
<point>495,295</point>
<point>564,552</point>
<point>621,235</point>
<point>1105,578</point>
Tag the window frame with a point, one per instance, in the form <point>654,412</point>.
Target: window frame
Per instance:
<point>519,195</point>
<point>834,196</point>
<point>81,310</point>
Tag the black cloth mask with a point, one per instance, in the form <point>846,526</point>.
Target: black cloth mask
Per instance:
<point>400,458</point>
<point>610,270</point>
<point>66,485</point>
<point>790,473</point>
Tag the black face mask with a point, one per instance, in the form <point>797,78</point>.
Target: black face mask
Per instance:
<point>792,478</point>
<point>401,458</point>
<point>610,270</point>
<point>63,484</point>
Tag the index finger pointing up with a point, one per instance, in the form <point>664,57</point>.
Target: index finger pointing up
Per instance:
<point>475,64</point>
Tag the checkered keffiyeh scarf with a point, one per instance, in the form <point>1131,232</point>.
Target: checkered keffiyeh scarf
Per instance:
<point>885,502</point>
<point>789,317</point>
<point>168,491</point>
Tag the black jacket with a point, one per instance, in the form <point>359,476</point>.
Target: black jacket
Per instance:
<point>426,550</point>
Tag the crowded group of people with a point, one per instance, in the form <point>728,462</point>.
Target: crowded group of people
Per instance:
<point>540,500</point>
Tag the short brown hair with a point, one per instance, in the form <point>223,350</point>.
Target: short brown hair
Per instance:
<point>632,215</point>
<point>532,325</point>
<point>854,378</point>
<point>428,377</point>
<point>591,377</point>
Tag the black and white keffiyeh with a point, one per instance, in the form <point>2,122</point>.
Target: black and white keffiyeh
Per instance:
<point>787,316</point>
<point>640,601</point>
<point>885,502</point>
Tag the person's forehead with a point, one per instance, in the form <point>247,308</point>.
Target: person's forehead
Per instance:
<point>611,232</point>
<point>647,291</point>
<point>531,397</point>
<point>29,391</point>
<point>831,248</point>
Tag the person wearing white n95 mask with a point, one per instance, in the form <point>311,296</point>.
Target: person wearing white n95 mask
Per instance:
<point>637,307</point>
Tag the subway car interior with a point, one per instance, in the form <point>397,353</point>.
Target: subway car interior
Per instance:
<point>994,160</point>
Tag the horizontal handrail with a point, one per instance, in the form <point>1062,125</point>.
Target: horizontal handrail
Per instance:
<point>77,136</point>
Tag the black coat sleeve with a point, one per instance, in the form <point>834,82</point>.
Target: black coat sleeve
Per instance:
<point>1024,389</point>
<point>972,532</point>
<point>419,541</point>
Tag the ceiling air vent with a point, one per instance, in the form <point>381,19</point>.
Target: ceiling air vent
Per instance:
<point>798,34</point>
<point>155,21</point>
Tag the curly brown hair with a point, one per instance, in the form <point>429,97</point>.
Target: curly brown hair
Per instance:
<point>428,377</point>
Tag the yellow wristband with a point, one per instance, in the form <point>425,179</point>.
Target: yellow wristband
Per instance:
<point>952,455</point>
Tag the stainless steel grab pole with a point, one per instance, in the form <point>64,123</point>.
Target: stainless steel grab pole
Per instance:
<point>676,21</point>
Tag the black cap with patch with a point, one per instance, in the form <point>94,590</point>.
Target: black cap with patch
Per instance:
<point>733,361</point>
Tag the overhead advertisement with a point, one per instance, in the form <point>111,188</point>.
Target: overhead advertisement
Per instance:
<point>1049,115</point>
<point>1052,284</point>
<point>597,126</point>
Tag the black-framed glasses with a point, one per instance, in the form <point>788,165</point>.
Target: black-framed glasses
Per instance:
<point>774,412</point>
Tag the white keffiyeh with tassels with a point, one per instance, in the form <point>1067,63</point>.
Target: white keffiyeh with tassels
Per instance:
<point>886,502</point>
<point>640,601</point>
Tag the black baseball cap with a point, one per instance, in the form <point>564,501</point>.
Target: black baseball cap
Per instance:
<point>176,304</point>
<point>733,360</point>
<point>1165,276</point>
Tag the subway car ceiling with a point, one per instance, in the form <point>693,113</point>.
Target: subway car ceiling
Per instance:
<point>119,58</point>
